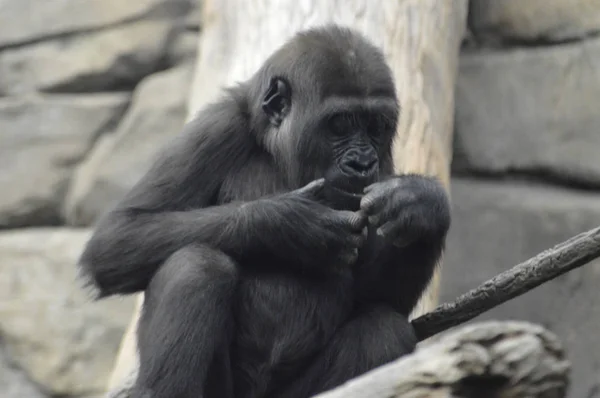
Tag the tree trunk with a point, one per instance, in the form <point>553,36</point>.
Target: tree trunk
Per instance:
<point>420,38</point>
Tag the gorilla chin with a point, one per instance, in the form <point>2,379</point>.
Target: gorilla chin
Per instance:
<point>344,192</point>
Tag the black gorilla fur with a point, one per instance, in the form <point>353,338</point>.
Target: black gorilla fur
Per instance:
<point>279,254</point>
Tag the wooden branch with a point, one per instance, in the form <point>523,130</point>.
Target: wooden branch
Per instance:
<point>547,265</point>
<point>491,359</point>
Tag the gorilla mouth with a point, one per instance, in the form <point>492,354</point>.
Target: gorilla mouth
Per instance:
<point>351,185</point>
<point>357,193</point>
<point>345,196</point>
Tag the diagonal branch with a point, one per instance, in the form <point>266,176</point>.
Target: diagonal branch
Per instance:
<point>547,265</point>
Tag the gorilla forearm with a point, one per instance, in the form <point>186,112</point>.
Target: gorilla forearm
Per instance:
<point>401,282</point>
<point>393,275</point>
<point>129,245</point>
<point>409,219</point>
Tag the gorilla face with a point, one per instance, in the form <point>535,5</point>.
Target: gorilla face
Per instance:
<point>356,139</point>
<point>345,138</point>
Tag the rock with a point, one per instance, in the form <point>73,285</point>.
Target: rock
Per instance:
<point>96,61</point>
<point>157,113</point>
<point>64,340</point>
<point>27,21</point>
<point>497,225</point>
<point>184,47</point>
<point>41,140</point>
<point>193,19</point>
<point>534,20</point>
<point>14,383</point>
<point>530,110</point>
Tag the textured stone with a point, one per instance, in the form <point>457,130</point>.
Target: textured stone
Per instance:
<point>497,225</point>
<point>157,113</point>
<point>24,21</point>
<point>184,47</point>
<point>530,110</point>
<point>96,61</point>
<point>64,341</point>
<point>41,140</point>
<point>534,20</point>
<point>14,383</point>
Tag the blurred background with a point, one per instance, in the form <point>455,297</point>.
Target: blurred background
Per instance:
<point>91,89</point>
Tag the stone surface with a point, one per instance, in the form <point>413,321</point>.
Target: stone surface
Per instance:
<point>498,225</point>
<point>41,140</point>
<point>530,110</point>
<point>14,383</point>
<point>95,61</point>
<point>53,330</point>
<point>534,20</point>
<point>157,113</point>
<point>24,21</point>
<point>184,47</point>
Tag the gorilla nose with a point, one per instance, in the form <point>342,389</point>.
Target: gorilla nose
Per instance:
<point>359,165</point>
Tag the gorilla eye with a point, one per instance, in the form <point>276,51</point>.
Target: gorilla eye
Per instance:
<point>277,101</point>
<point>378,126</point>
<point>340,124</point>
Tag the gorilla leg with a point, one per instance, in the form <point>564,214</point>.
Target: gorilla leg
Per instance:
<point>375,336</point>
<point>186,324</point>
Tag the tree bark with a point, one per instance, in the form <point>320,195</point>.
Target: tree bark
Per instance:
<point>492,359</point>
<point>420,38</point>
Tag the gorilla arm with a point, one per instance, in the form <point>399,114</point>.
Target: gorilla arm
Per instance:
<point>409,217</point>
<point>174,205</point>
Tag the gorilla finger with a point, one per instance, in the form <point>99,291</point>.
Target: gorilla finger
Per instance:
<point>378,219</point>
<point>375,220</point>
<point>372,203</point>
<point>356,240</point>
<point>400,232</point>
<point>313,188</point>
<point>392,210</point>
<point>355,220</point>
<point>374,187</point>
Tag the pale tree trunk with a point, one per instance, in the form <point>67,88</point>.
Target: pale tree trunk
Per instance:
<point>420,38</point>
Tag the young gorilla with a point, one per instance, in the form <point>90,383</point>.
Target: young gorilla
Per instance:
<point>279,254</point>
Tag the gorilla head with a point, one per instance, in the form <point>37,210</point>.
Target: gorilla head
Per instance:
<point>327,108</point>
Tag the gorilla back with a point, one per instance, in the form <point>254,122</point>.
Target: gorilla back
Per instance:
<point>279,254</point>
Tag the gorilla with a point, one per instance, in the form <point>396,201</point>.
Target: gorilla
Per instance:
<point>279,253</point>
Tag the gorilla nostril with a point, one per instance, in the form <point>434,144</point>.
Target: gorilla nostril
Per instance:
<point>359,166</point>
<point>370,164</point>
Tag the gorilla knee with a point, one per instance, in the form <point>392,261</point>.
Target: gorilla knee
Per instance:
<point>194,267</point>
<point>186,319</point>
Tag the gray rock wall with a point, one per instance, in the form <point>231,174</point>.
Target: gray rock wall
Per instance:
<point>526,169</point>
<point>89,90</point>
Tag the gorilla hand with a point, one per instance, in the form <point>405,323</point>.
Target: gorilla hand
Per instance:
<point>405,209</point>
<point>313,233</point>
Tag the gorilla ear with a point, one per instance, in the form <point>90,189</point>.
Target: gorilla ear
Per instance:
<point>277,101</point>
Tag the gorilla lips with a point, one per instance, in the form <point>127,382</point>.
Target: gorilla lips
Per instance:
<point>345,193</point>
